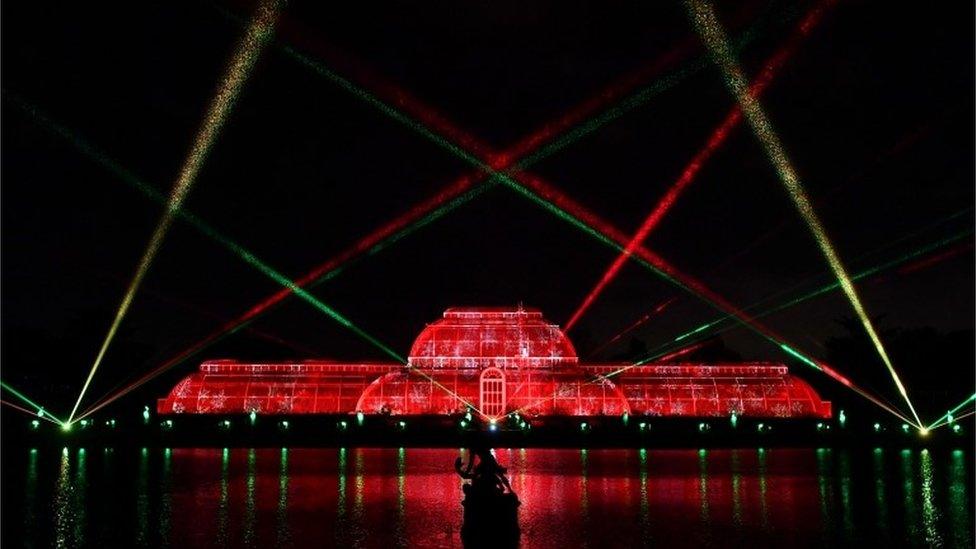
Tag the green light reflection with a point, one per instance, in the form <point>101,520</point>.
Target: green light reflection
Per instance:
<point>166,497</point>
<point>845,495</point>
<point>284,532</point>
<point>908,480</point>
<point>763,490</point>
<point>250,511</point>
<point>142,500</point>
<point>30,497</point>
<point>78,498</point>
<point>880,498</point>
<point>401,471</point>
<point>930,513</point>
<point>223,503</point>
<point>736,489</point>
<point>826,492</point>
<point>63,511</point>
<point>960,517</point>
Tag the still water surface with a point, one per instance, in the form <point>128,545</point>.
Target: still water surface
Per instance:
<point>411,497</point>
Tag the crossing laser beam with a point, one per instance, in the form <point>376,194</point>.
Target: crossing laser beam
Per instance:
<point>236,74</point>
<point>130,178</point>
<point>454,194</point>
<point>691,170</point>
<point>38,411</point>
<point>824,289</point>
<point>254,312</point>
<point>588,222</point>
<point>134,181</point>
<point>706,23</point>
<point>633,326</point>
<point>28,412</point>
<point>945,417</point>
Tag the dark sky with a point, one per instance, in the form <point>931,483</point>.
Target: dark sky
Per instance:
<point>875,109</point>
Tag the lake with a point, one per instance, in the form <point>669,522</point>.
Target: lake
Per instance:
<point>372,497</point>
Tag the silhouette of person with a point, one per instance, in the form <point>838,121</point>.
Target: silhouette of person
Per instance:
<point>487,477</point>
<point>490,505</point>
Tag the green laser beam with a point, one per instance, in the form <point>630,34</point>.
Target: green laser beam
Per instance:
<point>659,86</point>
<point>127,176</point>
<point>240,251</point>
<point>40,410</point>
<point>945,417</point>
<point>816,292</point>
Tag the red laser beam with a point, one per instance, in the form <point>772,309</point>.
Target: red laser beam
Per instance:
<point>691,170</point>
<point>550,194</point>
<point>935,259</point>
<point>28,412</point>
<point>658,309</point>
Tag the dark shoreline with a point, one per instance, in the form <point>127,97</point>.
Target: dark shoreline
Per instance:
<point>444,431</point>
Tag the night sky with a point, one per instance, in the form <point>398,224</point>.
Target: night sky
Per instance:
<point>875,108</point>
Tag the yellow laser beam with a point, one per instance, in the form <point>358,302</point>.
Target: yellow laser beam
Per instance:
<point>242,62</point>
<point>706,22</point>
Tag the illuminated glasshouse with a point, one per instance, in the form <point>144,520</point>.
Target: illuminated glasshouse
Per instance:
<point>495,361</point>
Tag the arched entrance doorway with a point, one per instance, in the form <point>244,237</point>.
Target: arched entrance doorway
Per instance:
<point>493,392</point>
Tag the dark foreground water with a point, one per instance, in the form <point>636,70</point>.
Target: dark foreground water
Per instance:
<point>411,498</point>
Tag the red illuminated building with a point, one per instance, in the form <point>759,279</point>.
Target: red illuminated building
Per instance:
<point>496,361</point>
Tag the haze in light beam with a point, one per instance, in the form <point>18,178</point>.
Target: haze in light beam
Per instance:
<point>706,22</point>
<point>257,35</point>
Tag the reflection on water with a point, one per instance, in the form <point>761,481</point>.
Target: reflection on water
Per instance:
<point>412,498</point>
<point>284,534</point>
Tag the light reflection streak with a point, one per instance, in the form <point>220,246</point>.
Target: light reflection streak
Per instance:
<point>78,498</point>
<point>826,492</point>
<point>401,508</point>
<point>763,488</point>
<point>930,513</point>
<point>30,499</point>
<point>736,490</point>
<point>960,516</point>
<point>63,510</point>
<point>250,509</point>
<point>166,497</point>
<point>284,532</point>
<point>845,495</point>
<point>880,496</point>
<point>223,505</point>
<point>908,483</point>
<point>142,500</point>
